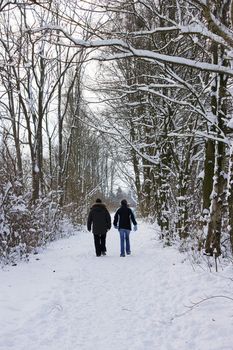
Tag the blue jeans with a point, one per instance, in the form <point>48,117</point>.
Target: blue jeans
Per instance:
<point>124,238</point>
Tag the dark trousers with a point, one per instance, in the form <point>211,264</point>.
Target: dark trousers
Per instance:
<point>100,244</point>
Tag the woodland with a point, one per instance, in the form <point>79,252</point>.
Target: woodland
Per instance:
<point>98,93</point>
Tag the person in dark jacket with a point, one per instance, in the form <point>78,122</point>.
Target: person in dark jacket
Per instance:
<point>99,220</point>
<point>122,221</point>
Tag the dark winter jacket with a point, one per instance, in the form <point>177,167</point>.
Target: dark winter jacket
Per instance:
<point>123,217</point>
<point>99,219</point>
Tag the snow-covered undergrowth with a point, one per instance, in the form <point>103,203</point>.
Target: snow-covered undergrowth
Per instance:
<point>65,298</point>
<point>26,228</point>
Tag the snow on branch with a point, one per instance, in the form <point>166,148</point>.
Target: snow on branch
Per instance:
<point>193,28</point>
<point>130,51</point>
<point>216,26</point>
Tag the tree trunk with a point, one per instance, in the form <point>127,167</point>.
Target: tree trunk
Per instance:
<point>208,175</point>
<point>219,109</point>
<point>230,198</point>
<point>212,245</point>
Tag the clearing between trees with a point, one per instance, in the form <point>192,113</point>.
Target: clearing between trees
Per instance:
<point>66,298</point>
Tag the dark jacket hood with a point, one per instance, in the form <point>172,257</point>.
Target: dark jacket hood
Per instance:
<point>98,205</point>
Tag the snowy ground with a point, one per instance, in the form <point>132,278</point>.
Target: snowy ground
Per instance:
<point>71,300</point>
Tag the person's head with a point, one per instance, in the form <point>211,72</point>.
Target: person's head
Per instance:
<point>124,202</point>
<point>98,200</point>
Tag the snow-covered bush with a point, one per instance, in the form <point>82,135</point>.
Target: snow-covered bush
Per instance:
<point>24,227</point>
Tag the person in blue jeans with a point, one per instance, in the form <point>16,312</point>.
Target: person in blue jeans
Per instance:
<point>122,221</point>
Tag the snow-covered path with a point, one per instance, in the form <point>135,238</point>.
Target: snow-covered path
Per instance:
<point>69,299</point>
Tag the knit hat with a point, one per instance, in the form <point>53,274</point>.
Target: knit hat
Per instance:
<point>124,202</point>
